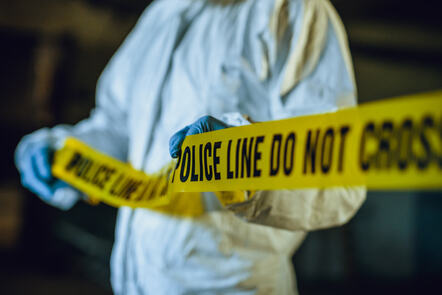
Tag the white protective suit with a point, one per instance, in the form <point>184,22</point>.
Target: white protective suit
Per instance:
<point>268,59</point>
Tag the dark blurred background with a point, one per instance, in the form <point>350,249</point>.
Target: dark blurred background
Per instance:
<point>51,54</point>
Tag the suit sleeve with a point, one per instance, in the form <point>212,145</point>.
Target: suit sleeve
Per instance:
<point>315,77</point>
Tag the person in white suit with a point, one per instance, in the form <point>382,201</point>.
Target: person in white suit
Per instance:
<point>232,60</point>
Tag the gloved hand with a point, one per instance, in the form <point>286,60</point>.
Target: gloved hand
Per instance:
<point>36,175</point>
<point>202,125</point>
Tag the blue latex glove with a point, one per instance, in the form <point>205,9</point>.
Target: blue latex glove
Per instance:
<point>36,175</point>
<point>202,125</point>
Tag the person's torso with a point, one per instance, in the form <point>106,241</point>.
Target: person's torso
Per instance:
<point>189,62</point>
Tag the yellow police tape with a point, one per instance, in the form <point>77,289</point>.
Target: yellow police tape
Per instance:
<point>394,144</point>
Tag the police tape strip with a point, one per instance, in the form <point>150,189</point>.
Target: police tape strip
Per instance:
<point>394,144</point>
<point>108,180</point>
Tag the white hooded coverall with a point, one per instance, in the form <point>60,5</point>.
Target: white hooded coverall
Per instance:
<point>268,59</point>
